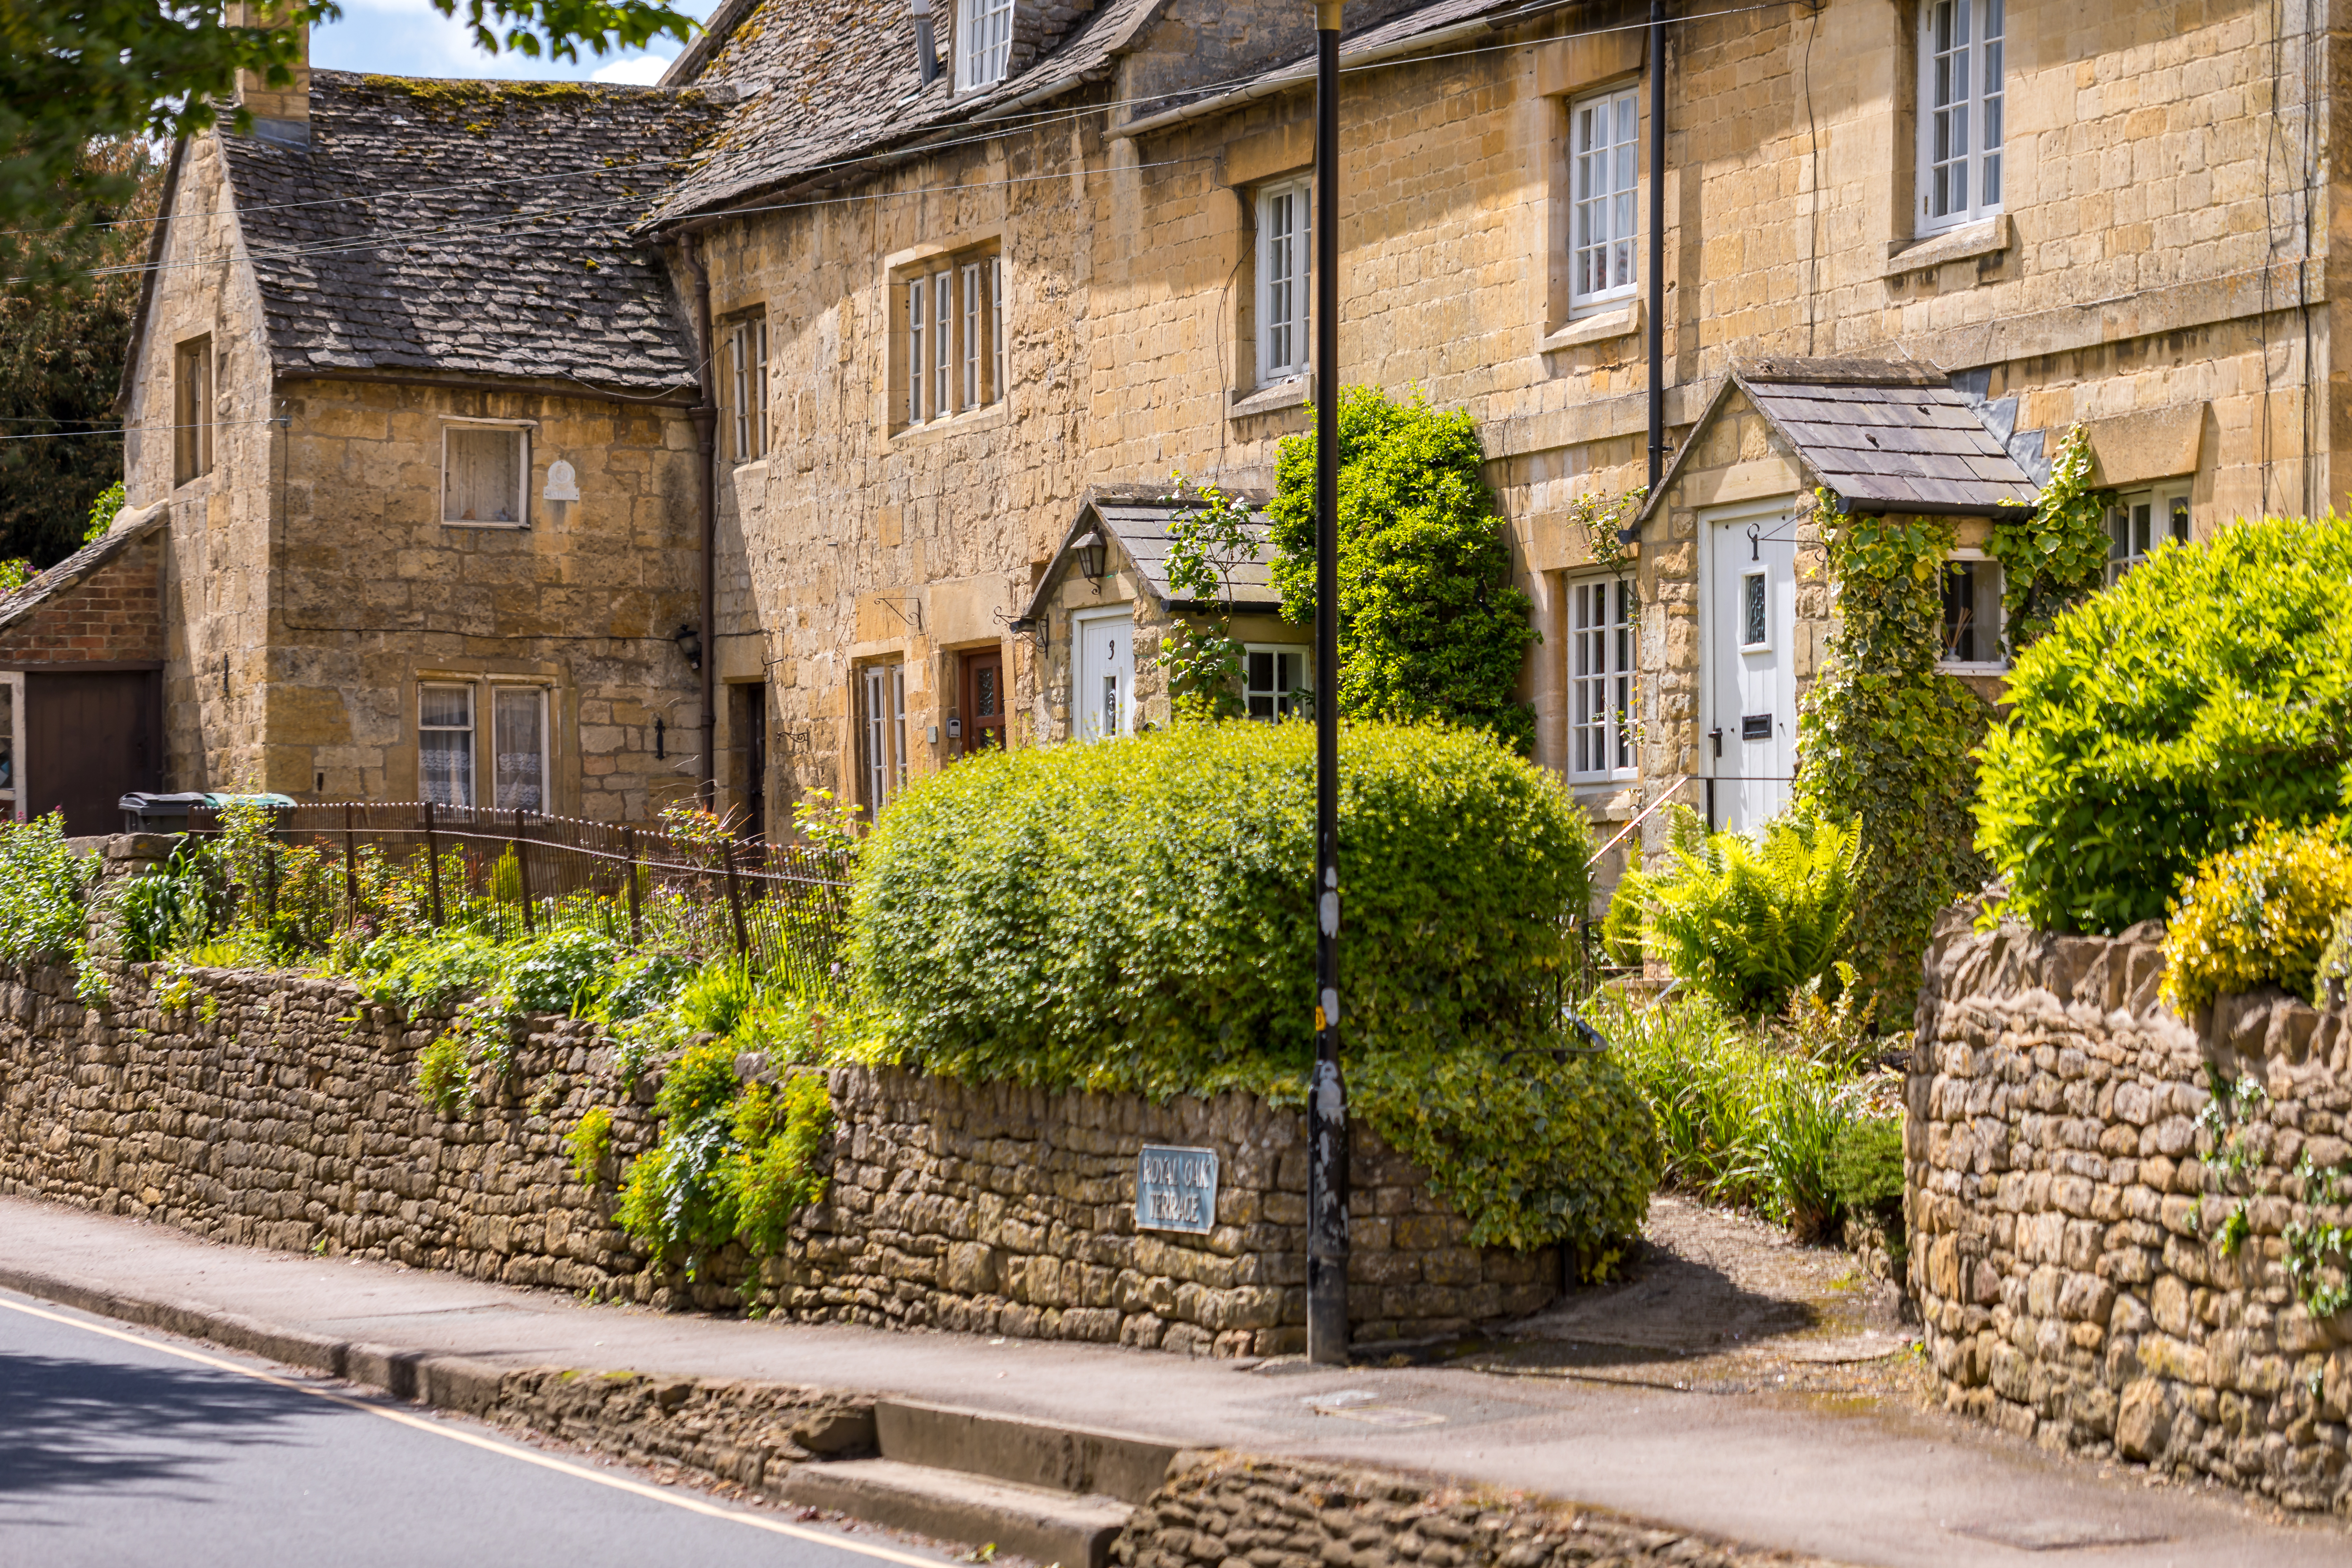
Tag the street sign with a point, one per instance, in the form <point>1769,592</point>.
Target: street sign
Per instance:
<point>1175,1189</point>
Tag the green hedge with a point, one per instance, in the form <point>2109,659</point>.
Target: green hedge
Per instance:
<point>1136,916</point>
<point>2156,724</point>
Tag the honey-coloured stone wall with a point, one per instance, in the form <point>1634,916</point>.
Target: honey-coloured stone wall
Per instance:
<point>280,1111</point>
<point>2100,1255</point>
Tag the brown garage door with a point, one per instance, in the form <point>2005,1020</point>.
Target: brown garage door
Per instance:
<point>89,740</point>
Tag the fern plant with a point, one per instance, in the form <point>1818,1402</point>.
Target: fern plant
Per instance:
<point>1747,922</point>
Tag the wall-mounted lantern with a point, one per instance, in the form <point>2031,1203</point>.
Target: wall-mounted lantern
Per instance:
<point>689,645</point>
<point>1091,551</point>
<point>1040,630</point>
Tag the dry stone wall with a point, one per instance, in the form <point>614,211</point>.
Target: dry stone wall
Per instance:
<point>280,1111</point>
<point>2100,1251</point>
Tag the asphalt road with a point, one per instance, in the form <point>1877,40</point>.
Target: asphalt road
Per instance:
<point>123,1449</point>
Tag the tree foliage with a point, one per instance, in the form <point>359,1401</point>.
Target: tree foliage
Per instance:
<point>1886,739</point>
<point>62,346</point>
<point>75,71</point>
<point>1431,625</point>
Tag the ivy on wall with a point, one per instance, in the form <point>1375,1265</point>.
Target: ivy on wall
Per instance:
<point>2055,555</point>
<point>1206,545</point>
<point>1887,738</point>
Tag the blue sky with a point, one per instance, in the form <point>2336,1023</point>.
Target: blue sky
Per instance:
<point>408,38</point>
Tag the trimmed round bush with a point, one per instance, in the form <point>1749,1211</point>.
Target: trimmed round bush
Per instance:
<point>1136,915</point>
<point>2159,722</point>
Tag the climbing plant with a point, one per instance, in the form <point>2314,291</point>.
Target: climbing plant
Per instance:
<point>1603,518</point>
<point>1885,738</point>
<point>1204,658</point>
<point>1431,625</point>
<point>2056,554</point>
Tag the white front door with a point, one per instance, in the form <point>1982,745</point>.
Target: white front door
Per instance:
<point>1748,749</point>
<point>1103,704</point>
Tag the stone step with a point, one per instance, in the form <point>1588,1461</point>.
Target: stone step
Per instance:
<point>1045,1524</point>
<point>1076,1459</point>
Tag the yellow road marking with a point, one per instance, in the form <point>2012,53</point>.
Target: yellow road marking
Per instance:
<point>544,1461</point>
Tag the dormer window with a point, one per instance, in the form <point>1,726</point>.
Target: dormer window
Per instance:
<point>983,42</point>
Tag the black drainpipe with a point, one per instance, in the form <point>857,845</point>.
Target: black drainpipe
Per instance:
<point>1657,243</point>
<point>706,428</point>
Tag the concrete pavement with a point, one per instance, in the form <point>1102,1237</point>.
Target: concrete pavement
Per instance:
<point>1906,1489</point>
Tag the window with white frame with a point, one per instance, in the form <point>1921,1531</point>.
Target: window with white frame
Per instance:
<point>1961,104</point>
<point>746,384</point>
<point>519,747</point>
<point>1275,681</point>
<point>1601,677</point>
<point>485,473</point>
<point>882,733</point>
<point>2141,520</point>
<point>1972,616</point>
<point>445,743</point>
<point>1604,225</point>
<point>952,336</point>
<point>1284,231</point>
<point>983,42</point>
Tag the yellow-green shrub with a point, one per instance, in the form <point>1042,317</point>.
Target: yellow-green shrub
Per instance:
<point>2257,915</point>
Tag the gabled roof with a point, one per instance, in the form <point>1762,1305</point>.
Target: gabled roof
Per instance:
<point>1137,518</point>
<point>128,529</point>
<point>1888,435</point>
<point>472,228</point>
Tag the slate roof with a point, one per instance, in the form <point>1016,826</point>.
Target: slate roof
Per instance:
<point>830,80</point>
<point>489,234</point>
<point>128,527</point>
<point>1138,516</point>
<point>1382,35</point>
<point>1887,437</point>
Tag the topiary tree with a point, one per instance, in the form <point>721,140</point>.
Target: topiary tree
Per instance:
<point>1431,625</point>
<point>2161,722</point>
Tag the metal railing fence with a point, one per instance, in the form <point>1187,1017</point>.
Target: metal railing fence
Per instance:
<point>337,867</point>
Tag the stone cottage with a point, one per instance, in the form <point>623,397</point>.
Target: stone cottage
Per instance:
<point>414,423</point>
<point>929,285</point>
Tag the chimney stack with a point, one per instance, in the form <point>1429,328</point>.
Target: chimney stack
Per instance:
<point>279,114</point>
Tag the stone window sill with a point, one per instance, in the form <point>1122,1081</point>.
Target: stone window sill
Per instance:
<point>1621,322</point>
<point>981,419</point>
<point>1995,235</point>
<point>493,526</point>
<point>1282,394</point>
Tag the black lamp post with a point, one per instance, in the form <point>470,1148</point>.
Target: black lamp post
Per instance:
<point>1326,1099</point>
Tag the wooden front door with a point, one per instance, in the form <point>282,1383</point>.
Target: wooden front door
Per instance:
<point>90,738</point>
<point>983,702</point>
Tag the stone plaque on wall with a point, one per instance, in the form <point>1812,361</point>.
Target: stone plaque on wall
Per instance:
<point>1175,1189</point>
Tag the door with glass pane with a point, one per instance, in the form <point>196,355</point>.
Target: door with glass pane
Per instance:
<point>983,702</point>
<point>518,729</point>
<point>1748,749</point>
<point>1103,704</point>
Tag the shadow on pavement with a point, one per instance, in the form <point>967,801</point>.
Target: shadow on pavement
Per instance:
<point>75,1425</point>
